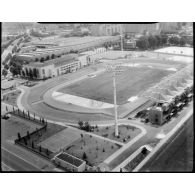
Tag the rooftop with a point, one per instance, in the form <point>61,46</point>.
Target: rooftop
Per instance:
<point>70,159</point>
<point>57,62</point>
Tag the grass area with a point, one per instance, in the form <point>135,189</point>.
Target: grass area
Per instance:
<point>51,130</point>
<point>129,83</point>
<point>96,149</point>
<point>11,98</point>
<point>14,125</point>
<point>60,140</point>
<point>126,132</point>
<point>136,161</point>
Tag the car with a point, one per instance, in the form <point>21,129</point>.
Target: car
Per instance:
<point>6,116</point>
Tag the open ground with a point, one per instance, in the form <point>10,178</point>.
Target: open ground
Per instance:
<point>96,149</point>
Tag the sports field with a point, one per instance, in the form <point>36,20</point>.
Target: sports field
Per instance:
<point>131,82</point>
<point>60,140</point>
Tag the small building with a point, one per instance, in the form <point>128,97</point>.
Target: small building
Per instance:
<point>156,115</point>
<point>70,162</point>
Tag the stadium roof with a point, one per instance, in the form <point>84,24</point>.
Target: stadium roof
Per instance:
<point>171,86</point>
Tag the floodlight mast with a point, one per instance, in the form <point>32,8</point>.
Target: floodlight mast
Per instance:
<point>116,70</point>
<point>115,105</point>
<point>121,42</point>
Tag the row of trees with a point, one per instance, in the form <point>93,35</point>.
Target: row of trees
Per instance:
<point>86,126</point>
<point>155,41</point>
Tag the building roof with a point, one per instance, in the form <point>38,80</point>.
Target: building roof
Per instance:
<point>57,62</point>
<point>70,159</point>
<point>171,86</point>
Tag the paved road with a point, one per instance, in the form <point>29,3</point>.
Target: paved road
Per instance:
<point>177,155</point>
<point>16,162</point>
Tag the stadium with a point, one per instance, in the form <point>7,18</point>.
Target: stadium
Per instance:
<point>143,78</point>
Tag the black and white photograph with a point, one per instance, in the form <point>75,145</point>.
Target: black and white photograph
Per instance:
<point>97,97</point>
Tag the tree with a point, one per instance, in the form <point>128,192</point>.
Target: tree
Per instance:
<point>182,41</point>
<point>33,145</point>
<point>87,126</point>
<point>28,135</point>
<point>47,152</point>
<point>174,40</point>
<point>80,123</point>
<point>16,69</point>
<point>6,66</point>
<point>158,40</point>
<point>144,151</point>
<point>42,59</point>
<point>84,156</point>
<point>19,136</point>
<point>4,72</point>
<point>52,56</point>
<point>142,43</point>
<point>152,41</point>
<point>164,39</point>
<point>25,141</point>
<point>103,150</point>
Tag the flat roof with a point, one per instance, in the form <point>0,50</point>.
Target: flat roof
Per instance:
<point>57,62</point>
<point>70,159</point>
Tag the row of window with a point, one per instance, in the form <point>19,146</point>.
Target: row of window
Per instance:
<point>68,66</point>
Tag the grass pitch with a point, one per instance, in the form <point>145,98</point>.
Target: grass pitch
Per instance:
<point>129,83</point>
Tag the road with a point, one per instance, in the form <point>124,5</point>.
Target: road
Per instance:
<point>177,155</point>
<point>16,162</point>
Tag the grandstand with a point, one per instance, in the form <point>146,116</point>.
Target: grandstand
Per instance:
<point>171,86</point>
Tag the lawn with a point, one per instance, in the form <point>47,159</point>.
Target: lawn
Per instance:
<point>126,132</point>
<point>129,83</point>
<point>14,125</point>
<point>96,149</point>
<point>51,130</point>
<point>11,98</point>
<point>60,140</point>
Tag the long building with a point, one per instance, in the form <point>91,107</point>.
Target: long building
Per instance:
<point>56,67</point>
<point>46,53</point>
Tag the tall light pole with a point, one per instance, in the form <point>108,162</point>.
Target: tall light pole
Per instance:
<point>121,42</point>
<point>116,70</point>
<point>115,105</point>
